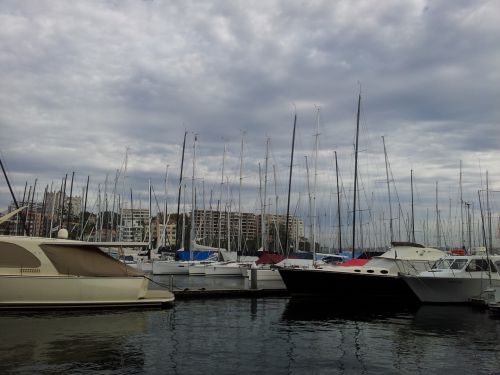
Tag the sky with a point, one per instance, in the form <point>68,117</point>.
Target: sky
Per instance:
<point>87,85</point>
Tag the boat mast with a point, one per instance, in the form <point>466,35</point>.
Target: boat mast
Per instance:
<point>338,202</point>
<point>192,231</point>
<point>165,221</point>
<point>484,232</point>
<point>23,217</point>
<point>70,199</point>
<point>388,191</point>
<point>277,239</point>
<point>438,235</point>
<point>355,179</point>
<point>412,211</point>
<point>310,205</point>
<point>488,211</point>
<point>220,198</point>
<point>240,220</point>
<point>316,146</point>
<point>290,186</point>
<point>150,223</point>
<point>180,192</point>
<point>461,209</point>
<point>265,238</point>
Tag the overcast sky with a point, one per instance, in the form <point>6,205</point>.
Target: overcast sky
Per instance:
<point>83,81</point>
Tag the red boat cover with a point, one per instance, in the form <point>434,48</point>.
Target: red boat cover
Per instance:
<point>268,258</point>
<point>354,262</point>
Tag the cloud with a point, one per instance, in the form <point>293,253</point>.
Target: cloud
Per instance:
<point>82,82</point>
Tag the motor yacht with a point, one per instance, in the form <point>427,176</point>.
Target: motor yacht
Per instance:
<point>40,272</point>
<point>456,279</point>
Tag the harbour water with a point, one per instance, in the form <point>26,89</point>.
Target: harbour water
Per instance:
<point>253,336</point>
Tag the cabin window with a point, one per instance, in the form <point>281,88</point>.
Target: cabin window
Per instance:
<point>77,260</point>
<point>477,265</point>
<point>442,264</point>
<point>497,264</point>
<point>458,264</point>
<point>12,255</point>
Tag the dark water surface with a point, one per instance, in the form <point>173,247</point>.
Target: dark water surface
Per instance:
<point>252,336</point>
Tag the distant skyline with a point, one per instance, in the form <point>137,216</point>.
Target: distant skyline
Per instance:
<point>82,82</point>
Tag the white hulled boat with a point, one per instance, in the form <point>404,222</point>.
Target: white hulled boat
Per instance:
<point>43,273</point>
<point>225,269</point>
<point>170,267</point>
<point>456,279</point>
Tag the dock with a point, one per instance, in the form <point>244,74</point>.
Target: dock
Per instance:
<point>202,293</point>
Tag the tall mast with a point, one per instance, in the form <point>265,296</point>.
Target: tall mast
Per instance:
<point>32,211</point>
<point>277,240</point>
<point>63,197</point>
<point>23,217</point>
<point>70,199</point>
<point>438,235</point>
<point>388,191</point>
<point>316,147</point>
<point>192,231</point>
<point>220,198</point>
<point>338,202</point>
<point>113,207</point>
<point>84,207</point>
<point>165,221</point>
<point>488,210</point>
<point>290,186</point>
<point>150,222</point>
<point>462,241</point>
<point>310,204</point>
<point>412,212</point>
<point>264,221</point>
<point>355,179</point>
<point>180,192</point>
<point>240,223</point>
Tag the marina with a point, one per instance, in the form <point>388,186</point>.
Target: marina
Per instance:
<point>232,187</point>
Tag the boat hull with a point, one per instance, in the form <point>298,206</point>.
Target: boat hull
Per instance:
<point>75,292</point>
<point>346,285</point>
<point>449,289</point>
<point>170,268</point>
<point>265,274</point>
<point>231,269</point>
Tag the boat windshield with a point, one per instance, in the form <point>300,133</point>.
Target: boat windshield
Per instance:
<point>458,264</point>
<point>450,264</point>
<point>442,264</point>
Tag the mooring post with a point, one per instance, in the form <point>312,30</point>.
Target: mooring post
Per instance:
<point>253,276</point>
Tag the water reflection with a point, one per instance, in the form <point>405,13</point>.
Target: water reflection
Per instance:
<point>69,341</point>
<point>265,335</point>
<point>303,309</point>
<point>391,339</point>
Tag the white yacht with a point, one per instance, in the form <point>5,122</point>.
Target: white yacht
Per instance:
<point>46,273</point>
<point>456,279</point>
